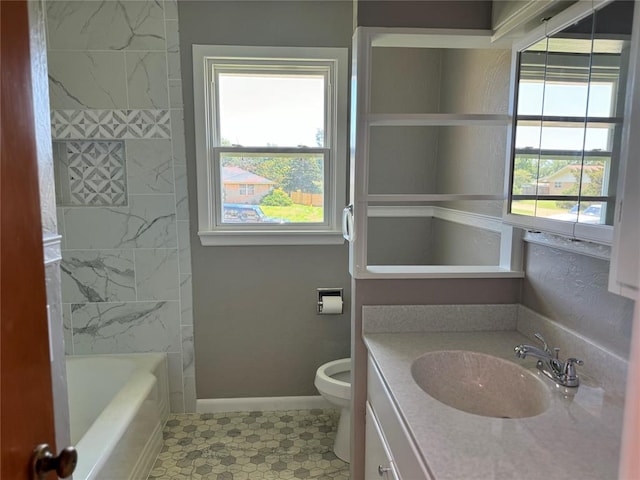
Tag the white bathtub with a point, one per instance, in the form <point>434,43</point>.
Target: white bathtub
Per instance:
<point>118,406</point>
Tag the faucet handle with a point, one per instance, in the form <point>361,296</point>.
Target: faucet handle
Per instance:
<point>521,351</point>
<point>570,376</point>
<point>541,339</point>
<point>571,362</point>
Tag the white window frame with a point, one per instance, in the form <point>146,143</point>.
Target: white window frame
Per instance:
<point>210,229</point>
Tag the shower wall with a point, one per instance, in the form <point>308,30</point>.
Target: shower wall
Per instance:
<point>121,194</point>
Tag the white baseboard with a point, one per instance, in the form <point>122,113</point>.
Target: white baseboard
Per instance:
<point>263,404</point>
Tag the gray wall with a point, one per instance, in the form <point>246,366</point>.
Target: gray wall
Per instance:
<point>572,290</point>
<point>256,329</point>
<point>419,13</point>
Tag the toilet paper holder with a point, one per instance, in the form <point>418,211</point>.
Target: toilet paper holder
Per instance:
<point>333,293</point>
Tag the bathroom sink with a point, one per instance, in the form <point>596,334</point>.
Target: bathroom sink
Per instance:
<point>481,384</point>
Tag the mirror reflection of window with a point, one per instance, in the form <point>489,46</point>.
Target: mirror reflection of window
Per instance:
<point>570,95</point>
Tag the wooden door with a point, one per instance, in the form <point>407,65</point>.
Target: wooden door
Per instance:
<point>26,416</point>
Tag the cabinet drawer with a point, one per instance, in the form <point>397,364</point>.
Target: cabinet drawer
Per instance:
<point>379,464</point>
<point>407,459</point>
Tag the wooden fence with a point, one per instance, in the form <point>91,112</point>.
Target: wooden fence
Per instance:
<point>313,199</point>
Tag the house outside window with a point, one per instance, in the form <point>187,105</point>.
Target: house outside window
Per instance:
<point>271,134</point>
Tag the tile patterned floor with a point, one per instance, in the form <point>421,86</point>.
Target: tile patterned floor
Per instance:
<point>250,446</point>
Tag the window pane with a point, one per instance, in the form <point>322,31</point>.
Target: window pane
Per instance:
<point>271,109</point>
<point>601,99</point>
<point>530,97</point>
<point>566,85</point>
<point>263,188</point>
<point>592,212</point>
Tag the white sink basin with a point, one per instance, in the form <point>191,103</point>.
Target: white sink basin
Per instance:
<point>481,384</point>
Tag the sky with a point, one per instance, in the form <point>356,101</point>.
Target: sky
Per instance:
<point>260,110</point>
<point>566,99</point>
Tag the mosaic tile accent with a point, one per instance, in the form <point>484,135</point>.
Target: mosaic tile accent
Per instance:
<point>110,124</point>
<point>90,173</point>
<point>250,446</point>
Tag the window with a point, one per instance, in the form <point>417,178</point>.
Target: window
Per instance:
<point>270,144</point>
<point>247,190</point>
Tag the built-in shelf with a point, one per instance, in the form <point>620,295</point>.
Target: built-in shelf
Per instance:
<point>478,220</point>
<point>486,222</point>
<point>429,38</point>
<point>439,271</point>
<point>381,225</point>
<point>436,120</point>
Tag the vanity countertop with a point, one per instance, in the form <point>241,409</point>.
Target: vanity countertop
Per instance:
<point>577,437</point>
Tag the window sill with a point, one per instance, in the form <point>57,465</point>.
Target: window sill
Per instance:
<point>569,244</point>
<point>600,234</point>
<point>235,238</point>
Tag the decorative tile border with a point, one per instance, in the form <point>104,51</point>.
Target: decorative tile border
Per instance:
<point>110,124</point>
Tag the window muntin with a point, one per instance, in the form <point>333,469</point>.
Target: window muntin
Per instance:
<point>246,189</point>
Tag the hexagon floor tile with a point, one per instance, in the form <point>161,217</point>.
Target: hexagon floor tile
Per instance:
<point>294,444</point>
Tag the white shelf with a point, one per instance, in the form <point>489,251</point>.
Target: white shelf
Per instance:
<point>437,120</point>
<point>427,37</point>
<point>438,271</point>
<point>369,113</point>
<point>429,197</point>
<point>477,220</point>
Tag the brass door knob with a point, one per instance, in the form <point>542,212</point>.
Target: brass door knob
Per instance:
<point>43,462</point>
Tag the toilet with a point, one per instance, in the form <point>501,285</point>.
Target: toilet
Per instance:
<point>333,381</point>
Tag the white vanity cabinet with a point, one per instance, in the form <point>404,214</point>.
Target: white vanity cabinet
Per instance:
<point>378,461</point>
<point>429,133</point>
<point>388,442</point>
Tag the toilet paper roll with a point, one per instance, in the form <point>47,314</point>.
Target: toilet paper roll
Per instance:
<point>331,305</point>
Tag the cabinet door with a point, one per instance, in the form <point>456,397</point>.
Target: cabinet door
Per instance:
<point>623,275</point>
<point>378,462</point>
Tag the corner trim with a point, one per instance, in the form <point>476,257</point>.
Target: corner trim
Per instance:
<point>221,405</point>
<point>51,244</point>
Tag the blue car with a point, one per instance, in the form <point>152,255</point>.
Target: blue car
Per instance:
<point>244,213</point>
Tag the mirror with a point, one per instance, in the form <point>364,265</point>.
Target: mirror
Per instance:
<point>570,95</point>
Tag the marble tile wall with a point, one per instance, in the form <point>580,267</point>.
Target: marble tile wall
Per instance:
<point>114,79</point>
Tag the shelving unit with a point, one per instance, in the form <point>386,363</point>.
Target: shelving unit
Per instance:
<point>428,153</point>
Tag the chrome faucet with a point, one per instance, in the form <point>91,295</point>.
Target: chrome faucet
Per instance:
<point>560,372</point>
